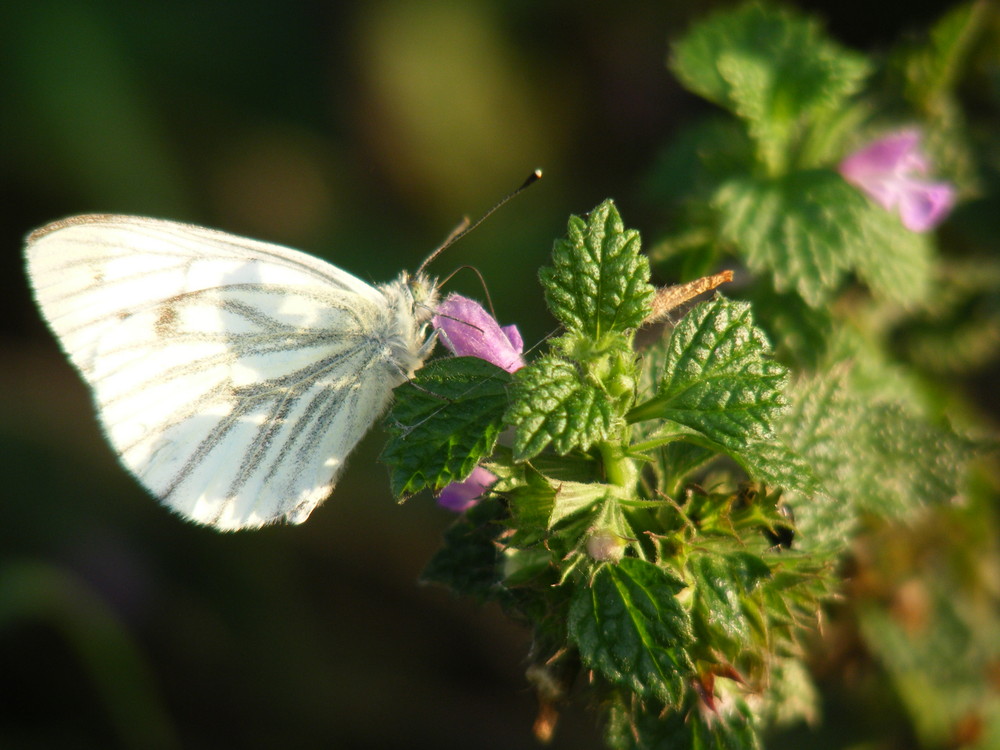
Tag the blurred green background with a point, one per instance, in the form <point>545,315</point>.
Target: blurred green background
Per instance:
<point>361,132</point>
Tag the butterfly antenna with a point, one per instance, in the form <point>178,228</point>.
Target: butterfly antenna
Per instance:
<point>482,282</point>
<point>465,227</point>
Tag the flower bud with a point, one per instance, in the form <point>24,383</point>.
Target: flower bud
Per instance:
<point>605,546</point>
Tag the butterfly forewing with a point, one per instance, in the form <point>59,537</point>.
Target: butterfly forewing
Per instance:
<point>232,376</point>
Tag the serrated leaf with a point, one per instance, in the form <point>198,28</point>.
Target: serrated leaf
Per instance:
<point>932,69</point>
<point>443,421</point>
<point>904,462</point>
<point>776,464</point>
<point>769,66</point>
<point>721,581</point>
<point>872,457</point>
<point>553,402</point>
<point>542,502</point>
<point>719,380</point>
<point>467,562</point>
<point>631,629</point>
<point>798,228</point>
<point>598,282</point>
<point>809,228</point>
<point>894,262</point>
<point>634,725</point>
<point>821,423</point>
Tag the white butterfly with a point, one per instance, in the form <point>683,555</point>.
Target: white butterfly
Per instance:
<point>232,377</point>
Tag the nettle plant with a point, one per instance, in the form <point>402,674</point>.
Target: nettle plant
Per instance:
<point>594,531</point>
<point>667,517</point>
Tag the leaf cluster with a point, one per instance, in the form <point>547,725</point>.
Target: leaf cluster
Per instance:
<point>759,180</point>
<point>668,517</point>
<point>595,534</point>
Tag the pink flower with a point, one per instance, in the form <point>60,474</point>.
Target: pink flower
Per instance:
<point>891,170</point>
<point>460,496</point>
<point>468,330</point>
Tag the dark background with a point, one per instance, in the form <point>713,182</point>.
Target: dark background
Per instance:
<point>361,132</point>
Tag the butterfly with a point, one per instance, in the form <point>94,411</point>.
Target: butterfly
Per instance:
<point>232,377</point>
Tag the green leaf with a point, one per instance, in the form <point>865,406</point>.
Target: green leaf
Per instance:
<point>769,66</point>
<point>791,696</point>
<point>821,423</point>
<point>903,462</point>
<point>542,502</point>
<point>809,228</point>
<point>572,497</point>
<point>721,581</point>
<point>467,563</point>
<point>552,401</point>
<point>895,263</point>
<point>873,457</point>
<point>796,228</point>
<point>719,380</point>
<point>932,70</point>
<point>631,629</point>
<point>598,282</point>
<point>775,463</point>
<point>444,420</point>
<point>633,725</point>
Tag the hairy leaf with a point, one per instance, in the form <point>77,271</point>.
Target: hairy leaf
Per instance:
<point>796,228</point>
<point>871,456</point>
<point>647,726</point>
<point>720,583</point>
<point>467,562</point>
<point>809,228</point>
<point>554,402</point>
<point>598,282</point>
<point>719,380</point>
<point>631,629</point>
<point>771,67</point>
<point>444,420</point>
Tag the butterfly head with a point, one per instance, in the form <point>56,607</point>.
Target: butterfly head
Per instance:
<point>424,291</point>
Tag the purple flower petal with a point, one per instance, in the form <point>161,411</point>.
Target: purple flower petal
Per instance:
<point>925,205</point>
<point>514,337</point>
<point>881,157</point>
<point>889,171</point>
<point>467,330</point>
<point>460,496</point>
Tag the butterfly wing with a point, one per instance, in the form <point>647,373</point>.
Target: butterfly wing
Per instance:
<point>231,376</point>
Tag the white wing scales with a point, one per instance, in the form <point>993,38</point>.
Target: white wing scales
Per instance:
<point>232,376</point>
